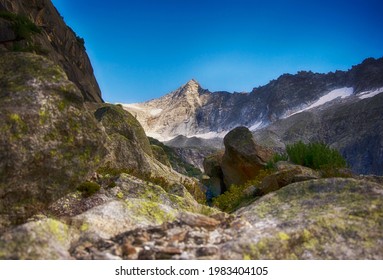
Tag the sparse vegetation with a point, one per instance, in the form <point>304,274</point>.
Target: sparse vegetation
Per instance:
<point>236,195</point>
<point>23,27</point>
<point>277,157</point>
<point>88,188</point>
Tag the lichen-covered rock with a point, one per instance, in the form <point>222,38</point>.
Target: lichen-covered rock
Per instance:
<point>44,239</point>
<point>127,142</point>
<point>286,174</point>
<point>54,40</point>
<point>48,142</point>
<point>316,219</point>
<point>129,204</point>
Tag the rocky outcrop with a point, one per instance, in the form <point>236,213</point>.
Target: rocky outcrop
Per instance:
<point>128,146</point>
<point>174,158</point>
<point>241,161</point>
<point>315,219</point>
<point>49,142</point>
<point>80,223</point>
<point>50,37</point>
<point>243,157</point>
<point>285,174</point>
<point>213,168</point>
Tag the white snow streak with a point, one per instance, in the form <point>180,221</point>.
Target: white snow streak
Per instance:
<point>336,93</point>
<point>255,126</point>
<point>369,94</point>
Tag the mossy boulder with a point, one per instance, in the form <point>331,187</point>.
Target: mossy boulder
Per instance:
<point>49,142</point>
<point>317,219</point>
<point>128,146</point>
<point>45,239</point>
<point>135,203</point>
<point>285,174</point>
<point>118,121</point>
<point>160,155</point>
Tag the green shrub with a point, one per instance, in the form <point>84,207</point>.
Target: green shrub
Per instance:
<point>315,155</point>
<point>88,188</point>
<point>235,196</point>
<point>22,26</point>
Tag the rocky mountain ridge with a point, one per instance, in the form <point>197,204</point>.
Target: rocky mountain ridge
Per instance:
<point>194,111</point>
<point>41,29</point>
<point>191,112</point>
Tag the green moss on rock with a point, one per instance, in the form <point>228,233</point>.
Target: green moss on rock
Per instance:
<point>317,219</point>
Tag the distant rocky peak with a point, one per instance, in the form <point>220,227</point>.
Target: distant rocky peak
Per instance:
<point>191,88</point>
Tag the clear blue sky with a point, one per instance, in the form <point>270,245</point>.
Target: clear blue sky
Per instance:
<point>143,49</point>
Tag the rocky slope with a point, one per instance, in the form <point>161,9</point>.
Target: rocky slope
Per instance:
<point>47,34</point>
<point>354,127</point>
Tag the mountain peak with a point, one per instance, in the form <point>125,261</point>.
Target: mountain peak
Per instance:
<point>192,82</point>
<point>191,88</point>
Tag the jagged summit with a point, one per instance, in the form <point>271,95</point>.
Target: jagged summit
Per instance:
<point>191,88</point>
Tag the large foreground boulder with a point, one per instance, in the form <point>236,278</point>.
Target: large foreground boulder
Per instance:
<point>49,142</point>
<point>317,219</point>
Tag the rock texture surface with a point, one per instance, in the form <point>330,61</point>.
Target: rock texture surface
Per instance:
<point>315,219</point>
<point>49,142</point>
<point>55,40</point>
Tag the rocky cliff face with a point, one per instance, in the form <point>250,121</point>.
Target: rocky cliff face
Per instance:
<point>49,36</point>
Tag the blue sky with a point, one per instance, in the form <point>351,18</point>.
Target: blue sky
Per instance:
<point>143,49</point>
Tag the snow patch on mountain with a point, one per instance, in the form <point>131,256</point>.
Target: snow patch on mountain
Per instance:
<point>332,95</point>
<point>369,94</point>
<point>210,135</point>
<point>133,106</point>
<point>256,126</point>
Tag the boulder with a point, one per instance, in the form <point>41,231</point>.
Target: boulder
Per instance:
<point>286,174</point>
<point>317,219</point>
<point>128,146</point>
<point>49,142</point>
<point>243,157</point>
<point>45,239</point>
